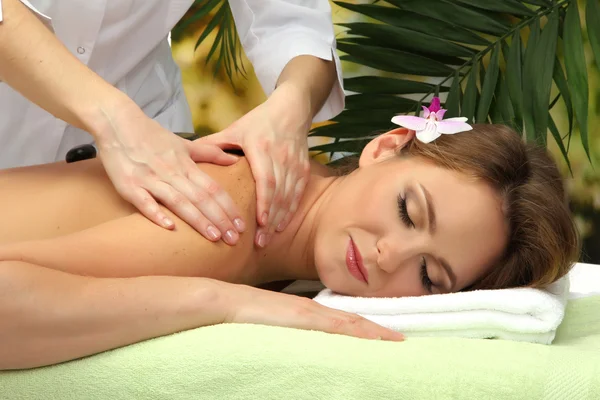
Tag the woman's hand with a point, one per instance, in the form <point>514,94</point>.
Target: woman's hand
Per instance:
<point>273,137</point>
<point>257,306</point>
<point>147,163</point>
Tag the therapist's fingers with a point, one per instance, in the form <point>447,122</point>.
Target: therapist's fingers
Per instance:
<point>210,153</point>
<point>266,183</point>
<point>278,201</point>
<point>147,205</point>
<point>297,191</point>
<point>218,207</point>
<point>294,192</point>
<point>283,201</point>
<point>177,201</point>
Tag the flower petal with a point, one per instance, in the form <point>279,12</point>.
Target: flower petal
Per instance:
<point>440,114</point>
<point>458,119</point>
<point>435,104</point>
<point>453,125</point>
<point>426,112</point>
<point>430,133</point>
<point>410,122</point>
<point>427,136</point>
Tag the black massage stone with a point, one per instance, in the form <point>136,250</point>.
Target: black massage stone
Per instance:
<point>79,153</point>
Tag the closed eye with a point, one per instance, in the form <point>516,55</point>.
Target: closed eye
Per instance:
<point>427,283</point>
<point>403,212</point>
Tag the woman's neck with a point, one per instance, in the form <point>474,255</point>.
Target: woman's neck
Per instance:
<point>290,255</point>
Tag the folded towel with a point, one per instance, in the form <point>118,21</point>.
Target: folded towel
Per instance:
<point>523,314</point>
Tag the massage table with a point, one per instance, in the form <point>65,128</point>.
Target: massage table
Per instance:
<point>237,361</point>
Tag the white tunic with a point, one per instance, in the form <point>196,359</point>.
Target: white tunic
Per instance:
<point>125,42</point>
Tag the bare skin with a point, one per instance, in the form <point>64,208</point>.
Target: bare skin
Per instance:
<point>85,207</point>
<point>81,271</point>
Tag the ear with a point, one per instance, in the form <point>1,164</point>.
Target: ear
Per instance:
<point>385,146</point>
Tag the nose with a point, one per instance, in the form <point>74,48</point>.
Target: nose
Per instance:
<point>394,252</point>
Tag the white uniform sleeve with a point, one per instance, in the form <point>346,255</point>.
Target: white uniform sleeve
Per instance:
<point>0,10</point>
<point>273,32</point>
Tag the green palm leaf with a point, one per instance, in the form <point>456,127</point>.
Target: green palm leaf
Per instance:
<point>226,49</point>
<point>511,59</point>
<point>575,64</point>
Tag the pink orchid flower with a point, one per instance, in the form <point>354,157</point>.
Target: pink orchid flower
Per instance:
<point>431,126</point>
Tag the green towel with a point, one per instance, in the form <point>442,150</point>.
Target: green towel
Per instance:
<point>259,362</point>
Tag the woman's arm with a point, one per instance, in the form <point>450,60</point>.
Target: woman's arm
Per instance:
<point>49,316</point>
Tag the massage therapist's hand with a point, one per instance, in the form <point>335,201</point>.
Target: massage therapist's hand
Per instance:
<point>257,306</point>
<point>148,163</point>
<point>273,137</point>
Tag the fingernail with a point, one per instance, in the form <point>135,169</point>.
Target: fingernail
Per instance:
<point>213,233</point>
<point>239,224</point>
<point>281,226</point>
<point>264,219</point>
<point>262,240</point>
<point>230,236</point>
<point>167,223</point>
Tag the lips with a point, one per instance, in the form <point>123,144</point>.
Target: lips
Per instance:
<point>355,264</point>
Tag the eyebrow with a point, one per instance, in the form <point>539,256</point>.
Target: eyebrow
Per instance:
<point>432,227</point>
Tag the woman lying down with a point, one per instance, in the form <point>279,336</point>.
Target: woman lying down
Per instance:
<point>82,272</point>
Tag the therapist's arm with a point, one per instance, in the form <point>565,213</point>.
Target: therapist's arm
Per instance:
<point>37,65</point>
<point>274,33</point>
<point>312,77</point>
<point>144,161</point>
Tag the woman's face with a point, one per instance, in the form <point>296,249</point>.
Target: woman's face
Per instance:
<point>406,227</point>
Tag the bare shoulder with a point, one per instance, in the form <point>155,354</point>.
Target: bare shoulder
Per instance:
<point>238,182</point>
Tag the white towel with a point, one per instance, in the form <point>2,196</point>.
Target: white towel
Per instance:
<point>523,314</point>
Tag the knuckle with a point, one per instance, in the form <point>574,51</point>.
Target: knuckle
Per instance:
<point>305,167</point>
<point>354,319</point>
<point>278,201</point>
<point>177,199</point>
<point>199,198</point>
<point>222,222</point>
<point>271,181</point>
<point>283,155</point>
<point>337,324</point>
<point>213,188</point>
<point>149,204</point>
<point>262,144</point>
<point>288,200</point>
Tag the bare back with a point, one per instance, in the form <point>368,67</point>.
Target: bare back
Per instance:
<point>51,200</point>
<point>66,216</point>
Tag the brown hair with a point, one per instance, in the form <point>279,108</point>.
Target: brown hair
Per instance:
<point>543,242</point>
